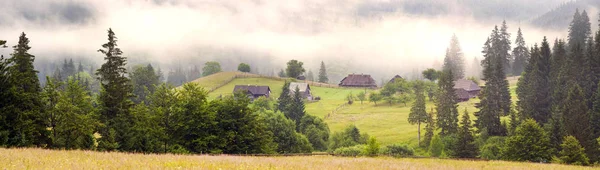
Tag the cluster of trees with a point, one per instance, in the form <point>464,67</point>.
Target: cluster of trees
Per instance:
<point>135,112</point>
<point>555,118</point>
<point>291,105</point>
<point>180,76</point>
<point>559,88</point>
<point>295,68</point>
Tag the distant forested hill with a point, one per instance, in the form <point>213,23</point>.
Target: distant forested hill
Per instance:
<point>560,17</point>
<point>479,9</point>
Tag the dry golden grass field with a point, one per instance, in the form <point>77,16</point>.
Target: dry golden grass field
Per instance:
<point>55,159</point>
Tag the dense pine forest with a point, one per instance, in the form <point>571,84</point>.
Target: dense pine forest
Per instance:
<point>119,107</point>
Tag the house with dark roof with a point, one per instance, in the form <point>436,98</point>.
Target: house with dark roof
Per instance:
<point>469,87</point>
<point>303,88</point>
<point>462,95</point>
<point>397,77</point>
<point>254,91</point>
<point>358,80</point>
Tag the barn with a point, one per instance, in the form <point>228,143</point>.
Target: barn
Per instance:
<point>469,86</point>
<point>304,89</point>
<point>253,91</point>
<point>358,80</point>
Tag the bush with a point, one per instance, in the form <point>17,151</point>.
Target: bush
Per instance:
<point>492,148</point>
<point>358,150</point>
<point>398,150</point>
<point>572,152</point>
<point>436,147</point>
<point>349,137</point>
<point>450,142</point>
<point>372,147</point>
<point>529,143</point>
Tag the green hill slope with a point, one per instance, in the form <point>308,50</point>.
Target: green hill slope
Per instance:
<point>388,123</point>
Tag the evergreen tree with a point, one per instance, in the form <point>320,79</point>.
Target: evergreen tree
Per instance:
<point>595,117</point>
<point>115,104</point>
<point>323,74</point>
<point>502,46</point>
<point>454,59</point>
<point>284,98</point>
<point>429,129</point>
<point>177,77</point>
<point>194,73</point>
<point>295,110</point>
<point>6,97</point>
<point>162,104</point>
<point>535,101</point>
<point>529,143</point>
<point>24,114</point>
<point>580,29</point>
<point>521,55</point>
<point>447,113</point>
<point>576,116</point>
<point>495,96</point>
<point>310,76</point>
<point>75,118</point>
<point>572,152</point>
<point>465,148</point>
<point>281,74</point>
<point>80,68</point>
<point>418,114</point>
<point>144,80</point>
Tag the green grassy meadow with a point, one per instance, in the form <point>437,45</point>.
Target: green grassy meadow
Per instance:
<point>387,123</point>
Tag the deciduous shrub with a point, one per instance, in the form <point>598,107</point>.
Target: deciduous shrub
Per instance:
<point>358,150</point>
<point>398,150</point>
<point>492,148</point>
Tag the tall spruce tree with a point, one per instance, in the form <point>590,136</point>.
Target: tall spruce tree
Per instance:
<point>115,95</point>
<point>495,97</point>
<point>576,116</point>
<point>24,114</point>
<point>295,110</point>
<point>580,29</point>
<point>284,98</point>
<point>503,47</point>
<point>536,102</point>
<point>465,147</point>
<point>323,74</point>
<point>418,113</point>
<point>520,54</point>
<point>429,129</point>
<point>454,59</point>
<point>144,80</point>
<point>447,113</point>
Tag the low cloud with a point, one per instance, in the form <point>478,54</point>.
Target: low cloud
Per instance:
<point>350,36</point>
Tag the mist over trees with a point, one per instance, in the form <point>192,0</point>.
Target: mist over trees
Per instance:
<point>454,59</point>
<point>122,106</point>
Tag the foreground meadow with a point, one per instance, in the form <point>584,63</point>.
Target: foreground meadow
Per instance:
<point>54,159</point>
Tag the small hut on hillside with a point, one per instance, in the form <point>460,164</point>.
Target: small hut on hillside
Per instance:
<point>358,80</point>
<point>469,86</point>
<point>253,91</point>
<point>304,89</point>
